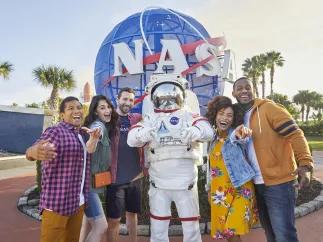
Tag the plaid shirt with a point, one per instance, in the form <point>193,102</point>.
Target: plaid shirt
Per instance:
<point>62,177</point>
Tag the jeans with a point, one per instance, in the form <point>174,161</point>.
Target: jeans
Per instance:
<point>276,211</point>
<point>94,209</point>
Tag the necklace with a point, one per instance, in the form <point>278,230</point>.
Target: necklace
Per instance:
<point>221,135</point>
<point>246,107</point>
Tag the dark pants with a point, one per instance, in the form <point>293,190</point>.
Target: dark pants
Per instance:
<point>125,197</point>
<point>276,211</point>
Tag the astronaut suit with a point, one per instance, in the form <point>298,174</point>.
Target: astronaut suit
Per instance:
<point>172,135</point>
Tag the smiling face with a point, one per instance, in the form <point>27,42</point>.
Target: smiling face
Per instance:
<point>243,91</point>
<point>104,111</point>
<point>73,113</point>
<point>224,119</point>
<point>125,103</point>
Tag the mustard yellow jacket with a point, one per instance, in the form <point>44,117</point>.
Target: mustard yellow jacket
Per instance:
<point>279,143</point>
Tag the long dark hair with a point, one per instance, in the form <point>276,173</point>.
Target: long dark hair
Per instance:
<point>215,105</point>
<point>92,116</point>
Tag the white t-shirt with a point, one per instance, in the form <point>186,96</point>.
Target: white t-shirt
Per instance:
<point>258,179</point>
<point>82,200</point>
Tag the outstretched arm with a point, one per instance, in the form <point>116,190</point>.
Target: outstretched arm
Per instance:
<point>95,135</point>
<point>205,128</point>
<point>240,135</point>
<point>42,150</point>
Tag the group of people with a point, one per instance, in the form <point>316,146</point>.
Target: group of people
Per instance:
<point>256,152</point>
<point>72,153</point>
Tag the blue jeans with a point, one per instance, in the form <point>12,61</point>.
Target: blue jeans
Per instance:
<point>94,209</point>
<point>276,211</point>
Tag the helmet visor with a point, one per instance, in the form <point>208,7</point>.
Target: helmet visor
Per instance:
<point>167,97</point>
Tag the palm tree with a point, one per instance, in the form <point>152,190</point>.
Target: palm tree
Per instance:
<point>5,69</point>
<point>315,102</point>
<point>57,78</point>
<point>280,98</point>
<point>302,98</point>
<point>251,70</point>
<point>318,106</point>
<point>273,59</point>
<point>283,100</point>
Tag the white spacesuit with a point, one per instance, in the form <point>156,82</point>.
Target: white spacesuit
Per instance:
<point>172,134</point>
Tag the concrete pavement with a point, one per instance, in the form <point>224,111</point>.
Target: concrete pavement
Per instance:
<point>15,226</point>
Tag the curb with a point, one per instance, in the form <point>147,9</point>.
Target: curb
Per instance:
<point>13,157</point>
<point>30,208</point>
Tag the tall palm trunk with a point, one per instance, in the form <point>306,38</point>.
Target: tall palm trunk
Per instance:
<point>53,100</point>
<point>255,87</point>
<point>308,108</point>
<point>272,71</point>
<point>263,84</point>
<point>303,112</point>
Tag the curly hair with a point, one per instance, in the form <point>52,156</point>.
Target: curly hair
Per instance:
<point>91,117</point>
<point>218,103</point>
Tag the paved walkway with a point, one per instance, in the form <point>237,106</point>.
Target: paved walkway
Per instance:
<point>16,227</point>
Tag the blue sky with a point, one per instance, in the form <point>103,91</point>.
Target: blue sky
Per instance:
<point>69,34</point>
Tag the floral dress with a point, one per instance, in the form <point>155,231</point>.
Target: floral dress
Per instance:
<point>233,210</point>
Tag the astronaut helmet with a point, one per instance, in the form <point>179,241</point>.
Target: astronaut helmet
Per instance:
<point>167,91</point>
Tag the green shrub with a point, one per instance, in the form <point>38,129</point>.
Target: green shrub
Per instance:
<point>312,128</point>
<point>38,175</point>
<point>203,201</point>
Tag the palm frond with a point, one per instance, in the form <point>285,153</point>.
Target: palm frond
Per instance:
<point>5,69</point>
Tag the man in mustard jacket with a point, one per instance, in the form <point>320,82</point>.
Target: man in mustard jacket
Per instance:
<point>278,152</point>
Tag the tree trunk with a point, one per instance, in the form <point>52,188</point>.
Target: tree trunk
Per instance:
<point>272,71</point>
<point>53,100</point>
<point>303,111</point>
<point>263,84</point>
<point>308,107</point>
<point>255,87</point>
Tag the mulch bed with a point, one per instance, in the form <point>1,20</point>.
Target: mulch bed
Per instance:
<point>33,194</point>
<point>304,195</point>
<point>309,193</point>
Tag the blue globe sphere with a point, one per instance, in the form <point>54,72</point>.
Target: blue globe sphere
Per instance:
<point>157,24</point>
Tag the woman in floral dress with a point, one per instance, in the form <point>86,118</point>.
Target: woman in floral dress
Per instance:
<point>232,205</point>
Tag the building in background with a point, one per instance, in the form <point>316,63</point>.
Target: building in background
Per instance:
<point>87,94</point>
<point>20,127</point>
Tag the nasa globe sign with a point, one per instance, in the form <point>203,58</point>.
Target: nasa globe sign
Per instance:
<point>159,40</point>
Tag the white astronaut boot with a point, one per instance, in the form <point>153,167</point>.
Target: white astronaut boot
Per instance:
<point>159,230</point>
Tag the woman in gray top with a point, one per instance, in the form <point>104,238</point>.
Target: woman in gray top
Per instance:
<point>102,117</point>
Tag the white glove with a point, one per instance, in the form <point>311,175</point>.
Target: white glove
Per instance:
<point>191,134</point>
<point>145,135</point>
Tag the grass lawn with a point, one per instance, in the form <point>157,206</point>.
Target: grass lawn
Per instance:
<point>316,142</point>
